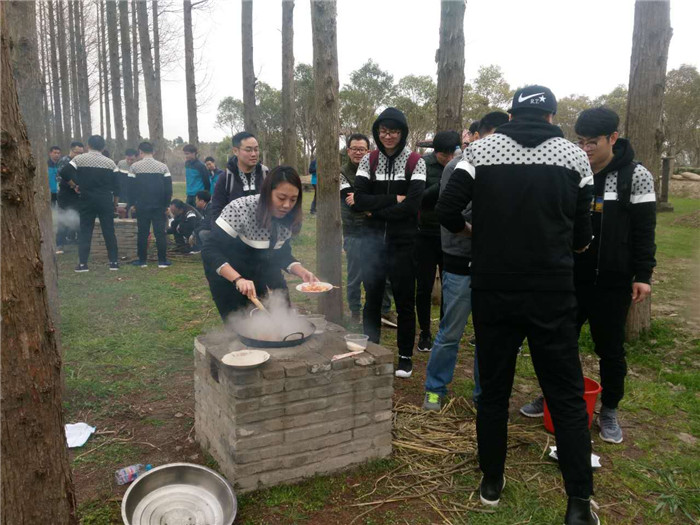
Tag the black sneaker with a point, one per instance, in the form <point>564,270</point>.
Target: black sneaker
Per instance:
<point>164,264</point>
<point>490,491</point>
<point>425,342</point>
<point>404,368</point>
<point>114,266</point>
<point>140,264</point>
<point>81,268</point>
<point>578,512</point>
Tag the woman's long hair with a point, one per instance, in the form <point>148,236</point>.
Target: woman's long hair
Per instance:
<point>273,179</point>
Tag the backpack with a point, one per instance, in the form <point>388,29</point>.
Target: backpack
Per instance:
<point>413,159</point>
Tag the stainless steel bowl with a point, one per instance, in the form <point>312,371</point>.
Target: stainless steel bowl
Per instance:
<point>179,494</point>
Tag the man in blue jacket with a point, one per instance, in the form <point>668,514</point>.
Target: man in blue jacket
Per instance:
<point>54,157</point>
<point>196,174</point>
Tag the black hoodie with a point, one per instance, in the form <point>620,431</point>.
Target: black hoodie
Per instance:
<point>531,192</point>
<point>623,247</point>
<point>234,185</point>
<point>376,193</point>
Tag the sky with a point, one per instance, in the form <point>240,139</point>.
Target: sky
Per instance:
<point>572,47</point>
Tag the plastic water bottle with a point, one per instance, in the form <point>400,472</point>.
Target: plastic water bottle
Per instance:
<point>128,474</point>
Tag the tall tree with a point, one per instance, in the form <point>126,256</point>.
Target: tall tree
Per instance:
<point>131,116</point>
<point>55,85</point>
<point>682,113</point>
<point>369,89</point>
<point>156,49</point>
<point>113,40</point>
<point>190,83</point>
<point>135,58</point>
<point>45,73</point>
<point>21,20</point>
<point>305,109</point>
<point>105,70</point>
<point>251,122</point>
<point>153,104</point>
<point>328,236</point>
<point>74,93</point>
<point>650,41</point>
<point>450,61</point>
<point>64,75</point>
<point>82,67</point>
<point>229,115</point>
<point>289,131</point>
<point>34,453</point>
<point>416,97</point>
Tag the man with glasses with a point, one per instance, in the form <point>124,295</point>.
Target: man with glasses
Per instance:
<point>389,186</point>
<point>244,174</point>
<point>617,268</point>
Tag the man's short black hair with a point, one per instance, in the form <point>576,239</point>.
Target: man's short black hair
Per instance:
<point>146,147</point>
<point>595,122</point>
<point>357,136</point>
<point>390,123</point>
<point>210,159</point>
<point>240,137</point>
<point>131,152</point>
<point>54,148</point>
<point>491,121</point>
<point>474,127</point>
<point>106,153</point>
<point>77,144</point>
<point>529,114</point>
<point>203,195</point>
<point>189,148</point>
<point>446,141</point>
<point>178,204</point>
<point>96,142</point>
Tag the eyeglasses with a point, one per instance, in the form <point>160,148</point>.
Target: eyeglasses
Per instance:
<point>590,144</point>
<point>250,150</point>
<point>389,132</point>
<point>359,150</point>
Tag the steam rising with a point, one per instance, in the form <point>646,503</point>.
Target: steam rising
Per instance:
<point>282,320</point>
<point>67,218</point>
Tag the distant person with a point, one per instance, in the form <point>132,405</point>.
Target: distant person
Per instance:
<point>214,172</point>
<point>616,270</point>
<point>185,220</point>
<point>428,254</point>
<point>68,201</point>
<point>196,173</point>
<point>314,183</point>
<point>94,177</point>
<point>244,173</point>
<point>130,156</point>
<point>54,157</point>
<point>203,204</point>
<point>151,190</point>
<point>456,294</point>
<point>389,186</point>
<point>531,191</point>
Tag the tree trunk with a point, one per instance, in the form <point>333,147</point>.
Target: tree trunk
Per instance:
<point>36,479</point>
<point>113,40</point>
<point>131,117</point>
<point>64,75</point>
<point>450,60</point>
<point>55,85</point>
<point>289,127</point>
<point>83,80</point>
<point>45,75</point>
<point>100,84</point>
<point>21,19</point>
<point>328,234</point>
<point>190,83</point>
<point>643,127</point>
<point>156,54</point>
<point>155,122</point>
<point>74,94</point>
<point>249,110</point>
<point>105,70</point>
<point>135,57</point>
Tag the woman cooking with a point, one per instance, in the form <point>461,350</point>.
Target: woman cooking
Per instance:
<point>250,243</point>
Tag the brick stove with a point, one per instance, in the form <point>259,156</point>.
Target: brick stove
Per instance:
<point>297,415</point>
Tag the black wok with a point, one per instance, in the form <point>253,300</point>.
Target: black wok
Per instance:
<point>297,337</point>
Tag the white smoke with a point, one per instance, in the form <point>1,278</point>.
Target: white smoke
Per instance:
<point>67,218</point>
<point>280,320</point>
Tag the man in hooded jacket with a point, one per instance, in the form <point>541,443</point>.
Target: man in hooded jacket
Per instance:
<point>389,186</point>
<point>530,191</point>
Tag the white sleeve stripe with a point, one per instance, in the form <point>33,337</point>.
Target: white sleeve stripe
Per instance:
<point>362,173</point>
<point>466,166</point>
<point>132,175</point>
<point>289,268</point>
<point>344,185</point>
<point>586,181</point>
<point>639,199</point>
<point>610,196</point>
<point>72,163</point>
<point>166,174</point>
<point>418,176</point>
<point>218,270</point>
<point>226,227</point>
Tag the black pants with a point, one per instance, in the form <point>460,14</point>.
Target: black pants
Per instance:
<point>605,309</point>
<point>101,207</point>
<point>548,319</point>
<point>65,230</point>
<point>428,260</point>
<point>54,199</point>
<point>227,297</point>
<point>396,262</point>
<point>144,219</point>
<point>313,202</point>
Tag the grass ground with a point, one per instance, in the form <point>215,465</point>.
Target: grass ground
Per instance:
<point>127,338</point>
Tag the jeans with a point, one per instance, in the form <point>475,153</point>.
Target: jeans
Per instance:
<point>457,300</point>
<point>352,244</point>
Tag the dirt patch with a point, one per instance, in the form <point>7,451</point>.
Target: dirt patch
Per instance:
<point>684,188</point>
<point>691,220</point>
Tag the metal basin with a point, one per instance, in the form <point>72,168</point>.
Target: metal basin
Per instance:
<point>179,494</point>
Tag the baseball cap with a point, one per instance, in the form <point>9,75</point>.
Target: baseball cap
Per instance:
<point>534,97</point>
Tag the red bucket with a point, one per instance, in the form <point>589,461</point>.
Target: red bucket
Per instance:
<point>591,389</point>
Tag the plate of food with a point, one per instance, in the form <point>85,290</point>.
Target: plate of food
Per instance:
<point>245,358</point>
<point>317,287</point>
